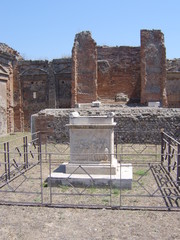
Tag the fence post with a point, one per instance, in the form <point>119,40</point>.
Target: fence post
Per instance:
<point>5,161</point>
<point>25,151</point>
<point>8,160</point>
<point>169,154</point>
<point>116,141</point>
<point>39,146</point>
<point>49,180</point>
<point>162,146</point>
<point>41,176</point>
<point>46,149</point>
<point>27,163</point>
<point>178,165</point>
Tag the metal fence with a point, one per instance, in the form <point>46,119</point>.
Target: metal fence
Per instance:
<point>28,167</point>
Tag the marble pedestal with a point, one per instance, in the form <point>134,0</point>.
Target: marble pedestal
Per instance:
<point>92,158</point>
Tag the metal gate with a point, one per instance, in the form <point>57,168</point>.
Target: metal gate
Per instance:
<point>27,166</point>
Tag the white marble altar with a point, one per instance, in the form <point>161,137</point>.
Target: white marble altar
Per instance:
<point>92,153</point>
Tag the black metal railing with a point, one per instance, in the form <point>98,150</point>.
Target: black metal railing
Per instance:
<point>28,167</point>
<point>170,156</point>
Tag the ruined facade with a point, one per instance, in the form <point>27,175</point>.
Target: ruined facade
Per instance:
<point>8,69</point>
<point>138,72</point>
<point>153,67</point>
<point>142,74</point>
<point>84,69</point>
<point>173,83</point>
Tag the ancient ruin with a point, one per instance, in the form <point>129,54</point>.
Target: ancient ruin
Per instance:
<point>113,75</point>
<point>105,127</point>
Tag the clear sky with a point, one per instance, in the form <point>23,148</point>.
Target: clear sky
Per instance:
<point>45,29</point>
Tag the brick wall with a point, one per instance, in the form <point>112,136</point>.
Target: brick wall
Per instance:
<point>18,107</point>
<point>173,83</point>
<point>62,80</point>
<point>119,72</point>
<point>34,88</point>
<point>7,62</point>
<point>42,85</point>
<point>153,67</point>
<point>94,72</point>
<point>3,108</point>
<point>84,69</point>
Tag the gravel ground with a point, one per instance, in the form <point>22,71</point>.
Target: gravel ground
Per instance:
<point>18,222</point>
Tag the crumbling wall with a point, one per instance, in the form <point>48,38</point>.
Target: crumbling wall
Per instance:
<point>3,107</point>
<point>94,72</point>
<point>84,69</point>
<point>153,67</point>
<point>62,78</point>
<point>147,122</point>
<point>34,88</point>
<point>4,78</point>
<point>42,85</point>
<point>173,83</point>
<point>173,89</point>
<point>18,107</point>
<point>119,72</point>
<point>8,59</point>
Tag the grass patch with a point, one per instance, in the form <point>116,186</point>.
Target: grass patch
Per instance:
<point>115,191</point>
<point>141,172</point>
<point>45,184</point>
<point>64,188</point>
<point>37,199</point>
<point>105,200</point>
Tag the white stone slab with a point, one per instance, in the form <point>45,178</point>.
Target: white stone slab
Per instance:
<point>95,169</point>
<point>154,104</point>
<point>122,179</point>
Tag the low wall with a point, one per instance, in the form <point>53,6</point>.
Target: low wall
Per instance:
<point>137,124</point>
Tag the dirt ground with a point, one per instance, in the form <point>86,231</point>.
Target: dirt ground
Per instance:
<point>17,222</point>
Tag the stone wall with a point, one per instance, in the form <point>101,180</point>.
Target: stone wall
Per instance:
<point>173,89</point>
<point>8,61</point>
<point>119,72</point>
<point>3,107</point>
<point>108,74</point>
<point>34,88</point>
<point>147,122</point>
<point>62,77</point>
<point>84,69</point>
<point>18,104</point>
<point>173,83</point>
<point>153,67</point>
<point>42,84</point>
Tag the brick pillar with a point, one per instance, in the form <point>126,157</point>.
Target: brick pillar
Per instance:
<point>51,87</point>
<point>84,69</point>
<point>18,107</point>
<point>10,101</point>
<point>153,67</point>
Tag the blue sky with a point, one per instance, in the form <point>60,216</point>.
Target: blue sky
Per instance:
<point>45,29</point>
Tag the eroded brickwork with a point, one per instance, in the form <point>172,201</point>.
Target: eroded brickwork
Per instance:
<point>62,79</point>
<point>109,74</point>
<point>173,83</point>
<point>34,88</point>
<point>18,107</point>
<point>84,72</point>
<point>42,85</point>
<point>153,67</point>
<point>119,72</point>
<point>8,60</point>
